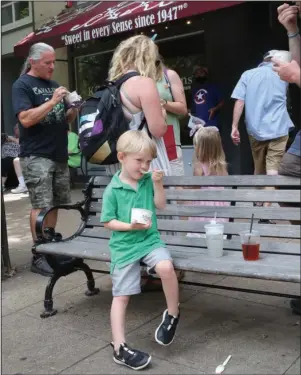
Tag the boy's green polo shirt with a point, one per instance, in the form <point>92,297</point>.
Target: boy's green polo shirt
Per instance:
<point>118,200</point>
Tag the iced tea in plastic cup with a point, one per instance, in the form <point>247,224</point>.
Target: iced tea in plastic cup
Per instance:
<point>250,242</point>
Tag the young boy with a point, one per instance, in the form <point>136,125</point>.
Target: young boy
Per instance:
<point>131,243</point>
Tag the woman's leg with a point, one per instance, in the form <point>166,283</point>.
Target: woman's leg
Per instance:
<point>3,180</point>
<point>18,169</point>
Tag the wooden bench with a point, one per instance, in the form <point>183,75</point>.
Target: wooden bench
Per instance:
<point>280,242</point>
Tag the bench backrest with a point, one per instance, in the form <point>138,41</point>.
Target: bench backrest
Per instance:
<point>239,191</point>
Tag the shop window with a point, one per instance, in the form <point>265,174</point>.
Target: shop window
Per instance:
<point>15,14</point>
<point>91,71</point>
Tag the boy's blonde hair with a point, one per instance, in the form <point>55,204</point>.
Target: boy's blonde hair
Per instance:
<point>138,52</point>
<point>208,149</point>
<point>134,141</point>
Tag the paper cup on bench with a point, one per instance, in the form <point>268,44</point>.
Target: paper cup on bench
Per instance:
<point>141,216</point>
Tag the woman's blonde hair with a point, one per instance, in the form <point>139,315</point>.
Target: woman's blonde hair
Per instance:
<point>208,149</point>
<point>160,68</point>
<point>139,53</point>
<point>134,141</point>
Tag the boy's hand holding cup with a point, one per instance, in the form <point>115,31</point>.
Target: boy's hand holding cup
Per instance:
<point>138,226</point>
<point>141,219</point>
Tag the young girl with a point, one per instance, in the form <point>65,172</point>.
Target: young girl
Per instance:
<point>209,160</point>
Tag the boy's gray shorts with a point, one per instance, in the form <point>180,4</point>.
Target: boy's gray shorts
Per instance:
<point>126,281</point>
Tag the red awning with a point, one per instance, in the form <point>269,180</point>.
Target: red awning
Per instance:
<point>95,20</point>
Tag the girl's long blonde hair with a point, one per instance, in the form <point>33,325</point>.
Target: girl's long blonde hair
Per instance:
<point>208,149</point>
<point>138,53</point>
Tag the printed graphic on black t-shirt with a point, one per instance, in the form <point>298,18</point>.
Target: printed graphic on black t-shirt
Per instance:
<point>57,114</point>
<point>48,138</point>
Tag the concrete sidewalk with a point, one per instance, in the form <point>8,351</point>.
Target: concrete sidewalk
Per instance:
<point>259,331</point>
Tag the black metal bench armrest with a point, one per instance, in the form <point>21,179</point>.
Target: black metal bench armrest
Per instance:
<point>43,214</point>
<point>82,207</point>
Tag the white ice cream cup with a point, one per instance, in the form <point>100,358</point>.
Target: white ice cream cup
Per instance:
<point>73,97</point>
<point>141,216</point>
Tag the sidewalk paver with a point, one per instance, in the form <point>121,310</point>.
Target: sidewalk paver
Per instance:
<point>32,348</point>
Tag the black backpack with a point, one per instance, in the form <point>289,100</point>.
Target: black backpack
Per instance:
<point>102,121</point>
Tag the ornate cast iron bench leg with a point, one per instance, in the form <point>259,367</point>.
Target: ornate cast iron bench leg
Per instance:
<point>48,301</point>
<point>92,291</point>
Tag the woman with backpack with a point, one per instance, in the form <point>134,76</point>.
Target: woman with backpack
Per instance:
<point>139,94</point>
<point>173,100</point>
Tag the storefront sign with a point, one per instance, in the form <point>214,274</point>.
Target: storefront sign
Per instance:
<point>97,19</point>
<point>158,12</point>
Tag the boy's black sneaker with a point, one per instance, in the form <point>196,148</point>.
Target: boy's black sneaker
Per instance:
<point>135,359</point>
<point>166,331</point>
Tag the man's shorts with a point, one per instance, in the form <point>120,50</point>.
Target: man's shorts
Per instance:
<point>290,165</point>
<point>126,281</point>
<point>267,154</point>
<point>47,181</point>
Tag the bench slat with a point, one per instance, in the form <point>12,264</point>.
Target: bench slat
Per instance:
<point>267,245</point>
<point>271,230</point>
<point>240,195</point>
<point>240,180</point>
<point>269,266</point>
<point>236,212</point>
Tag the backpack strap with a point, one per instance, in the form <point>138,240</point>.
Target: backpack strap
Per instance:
<point>125,77</point>
<point>144,123</point>
<point>96,95</point>
<point>168,82</point>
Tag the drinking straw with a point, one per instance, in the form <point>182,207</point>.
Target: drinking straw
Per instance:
<point>251,226</point>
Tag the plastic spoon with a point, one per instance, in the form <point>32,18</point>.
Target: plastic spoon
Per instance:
<point>221,368</point>
<point>147,172</point>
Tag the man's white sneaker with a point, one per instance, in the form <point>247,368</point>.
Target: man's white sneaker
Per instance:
<point>19,190</point>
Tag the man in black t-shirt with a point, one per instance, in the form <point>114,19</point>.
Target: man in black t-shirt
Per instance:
<point>41,110</point>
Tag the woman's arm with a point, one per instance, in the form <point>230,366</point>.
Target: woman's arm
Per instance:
<point>178,106</point>
<point>151,106</point>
